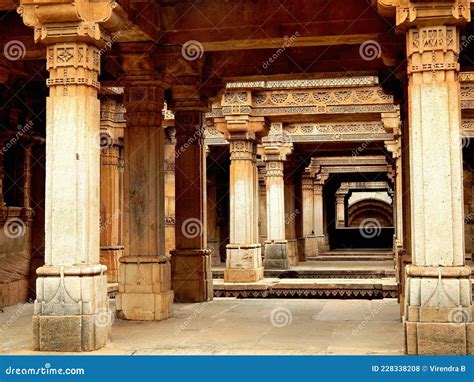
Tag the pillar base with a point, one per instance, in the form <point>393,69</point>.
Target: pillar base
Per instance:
<point>215,255</point>
<point>192,275</point>
<point>244,263</point>
<point>439,338</point>
<point>276,255</point>
<point>322,244</point>
<point>144,288</point>
<point>310,246</point>
<point>293,252</point>
<point>71,309</point>
<point>110,257</point>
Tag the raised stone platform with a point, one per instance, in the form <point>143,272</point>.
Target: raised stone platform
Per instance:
<point>309,288</point>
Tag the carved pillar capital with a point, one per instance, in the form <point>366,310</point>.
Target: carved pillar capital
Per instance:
<point>144,104</point>
<point>433,53</point>
<point>87,21</point>
<point>409,13</point>
<point>242,127</point>
<point>189,124</point>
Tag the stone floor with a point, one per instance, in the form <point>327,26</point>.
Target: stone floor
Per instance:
<point>231,326</point>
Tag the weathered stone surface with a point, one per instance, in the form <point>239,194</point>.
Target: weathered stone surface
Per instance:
<point>276,256</point>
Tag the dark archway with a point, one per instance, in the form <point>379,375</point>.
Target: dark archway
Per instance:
<point>376,210</point>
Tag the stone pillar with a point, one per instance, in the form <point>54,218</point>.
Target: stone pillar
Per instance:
<point>191,260</point>
<point>71,307</point>
<point>145,272</point>
<point>170,204</point>
<point>438,314</point>
<point>262,204</point>
<point>291,214</point>
<point>111,245</point>
<point>276,245</point>
<point>340,210</point>
<point>307,191</point>
<point>319,226</point>
<point>2,156</point>
<point>243,130</point>
<point>213,230</point>
<point>244,255</point>
<point>27,176</point>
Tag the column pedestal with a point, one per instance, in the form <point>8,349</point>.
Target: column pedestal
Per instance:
<point>71,309</point>
<point>145,288</point>
<point>276,255</point>
<point>192,275</point>
<point>244,263</point>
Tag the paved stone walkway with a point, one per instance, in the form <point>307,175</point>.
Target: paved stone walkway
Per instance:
<point>230,326</point>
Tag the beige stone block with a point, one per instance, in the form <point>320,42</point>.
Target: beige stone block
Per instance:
<point>138,306</point>
<point>163,305</point>
<point>470,338</point>
<point>434,314</point>
<point>58,333</point>
<point>413,313</point>
<point>411,341</point>
<point>243,275</point>
<point>441,339</point>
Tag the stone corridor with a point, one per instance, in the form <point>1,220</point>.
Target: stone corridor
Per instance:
<point>162,159</point>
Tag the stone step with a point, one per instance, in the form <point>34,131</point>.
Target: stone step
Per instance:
<point>361,257</point>
<point>320,273</point>
<point>309,288</point>
<point>112,289</point>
